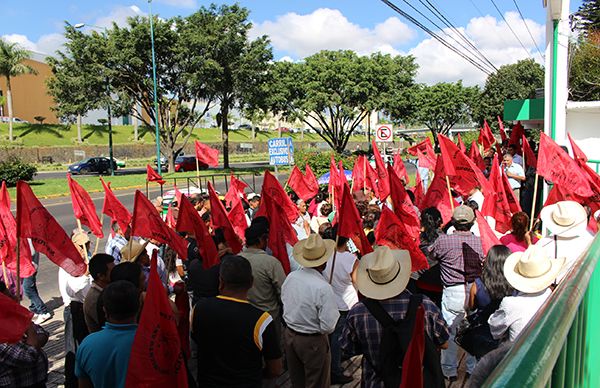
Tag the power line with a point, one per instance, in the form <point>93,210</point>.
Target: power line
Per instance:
<point>528,30</point>
<point>510,28</point>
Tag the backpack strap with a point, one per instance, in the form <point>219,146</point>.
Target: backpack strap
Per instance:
<point>377,310</point>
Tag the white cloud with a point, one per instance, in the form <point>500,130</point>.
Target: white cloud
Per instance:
<point>329,29</point>
<point>46,44</point>
<point>180,3</point>
<point>286,58</point>
<point>119,15</point>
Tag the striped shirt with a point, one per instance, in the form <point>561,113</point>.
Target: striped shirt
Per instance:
<point>460,255</point>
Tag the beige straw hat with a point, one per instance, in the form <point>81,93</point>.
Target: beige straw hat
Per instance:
<point>384,273</point>
<point>565,218</point>
<point>132,250</point>
<point>532,271</point>
<point>313,251</point>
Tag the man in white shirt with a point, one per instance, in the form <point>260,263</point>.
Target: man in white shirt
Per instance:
<point>515,174</point>
<point>310,313</point>
<point>518,159</point>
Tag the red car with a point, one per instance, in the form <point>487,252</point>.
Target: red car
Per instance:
<point>188,163</point>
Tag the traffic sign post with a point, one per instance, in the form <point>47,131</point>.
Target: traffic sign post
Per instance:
<point>281,151</point>
<point>384,133</point>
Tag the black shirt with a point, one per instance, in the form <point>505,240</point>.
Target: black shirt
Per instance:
<point>233,337</point>
<point>203,283</point>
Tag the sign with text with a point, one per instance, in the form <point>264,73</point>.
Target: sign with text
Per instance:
<point>384,133</point>
<point>281,151</point>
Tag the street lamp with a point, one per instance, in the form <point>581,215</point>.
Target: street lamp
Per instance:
<point>108,109</point>
<point>156,112</point>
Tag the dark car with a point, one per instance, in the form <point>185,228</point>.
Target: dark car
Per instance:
<point>100,165</point>
<point>188,163</point>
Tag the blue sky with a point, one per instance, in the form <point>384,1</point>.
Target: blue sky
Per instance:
<point>301,27</point>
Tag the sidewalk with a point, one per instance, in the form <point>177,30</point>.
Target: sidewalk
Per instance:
<point>55,348</point>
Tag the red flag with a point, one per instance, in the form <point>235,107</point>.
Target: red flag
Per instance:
<point>152,176</point>
<point>14,320</point>
<point>219,218</point>
<point>237,216</point>
<point>476,156</point>
<point>403,206</point>
<point>578,154</point>
<point>528,155</point>
<point>113,208</point>
<point>392,233</point>
<point>488,237</point>
<point>334,179</point>
<point>383,182</point>
<point>350,223</point>
<point>236,189</point>
<point>555,165</point>
<point>516,135</point>
<point>280,230</point>
<point>486,137</point>
<point>189,221</point>
<point>426,160</point>
<point>496,203</point>
<point>146,223</point>
<point>513,201</point>
<point>156,356</point>
<point>272,187</point>
<point>460,144</point>
<point>206,154</point>
<point>84,208</point>
<point>413,358</point>
<point>359,173</point>
<point>418,190</point>
<point>8,240</point>
<point>400,169</point>
<point>298,182</point>
<point>437,194</point>
<point>424,146</point>
<point>311,180</point>
<point>47,236</point>
<point>502,131</point>
<point>170,218</point>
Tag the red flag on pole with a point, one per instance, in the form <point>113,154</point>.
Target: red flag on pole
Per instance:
<point>206,154</point>
<point>359,173</point>
<point>413,358</point>
<point>461,146</point>
<point>424,146</point>
<point>502,131</point>
<point>516,135</point>
<point>47,236</point>
<point>311,179</point>
<point>350,223</point>
<point>156,356</point>
<point>237,216</point>
<point>170,217</point>
<point>486,137</point>
<point>236,190</point>
<point>418,190</point>
<point>84,208</point>
<point>555,165</point>
<point>488,237</point>
<point>152,176</point>
<point>476,156</point>
<point>578,154</point>
<point>146,223</point>
<point>334,179</point>
<point>382,173</point>
<point>8,239</point>
<point>403,206</point>
<point>528,155</point>
<point>496,203</point>
<point>391,232</point>
<point>189,221</point>
<point>426,160</point>
<point>114,209</point>
<point>400,169</point>
<point>219,218</point>
<point>272,187</point>
<point>437,194</point>
<point>14,320</point>
<point>301,185</point>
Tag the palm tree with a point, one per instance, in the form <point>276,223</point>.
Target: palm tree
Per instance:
<point>11,65</point>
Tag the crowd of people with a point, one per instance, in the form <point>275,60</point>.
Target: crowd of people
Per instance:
<point>250,320</point>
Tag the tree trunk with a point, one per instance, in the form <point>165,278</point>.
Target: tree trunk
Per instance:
<point>302,133</point>
<point>225,132</point>
<point>10,109</point>
<point>136,124</point>
<point>79,129</point>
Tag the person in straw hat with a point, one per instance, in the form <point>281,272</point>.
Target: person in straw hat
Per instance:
<point>567,222</point>
<point>310,313</point>
<point>530,273</point>
<point>382,276</point>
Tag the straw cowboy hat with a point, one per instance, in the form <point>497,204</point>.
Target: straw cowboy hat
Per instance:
<point>132,250</point>
<point>313,251</point>
<point>565,218</point>
<point>384,273</point>
<point>80,238</point>
<point>532,271</point>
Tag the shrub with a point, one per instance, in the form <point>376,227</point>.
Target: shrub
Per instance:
<point>319,160</point>
<point>13,170</point>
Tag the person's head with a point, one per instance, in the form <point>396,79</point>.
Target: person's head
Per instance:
<point>100,268</point>
<point>314,252</point>
<point>463,218</point>
<point>472,204</point>
<point>257,236</point>
<point>492,274</point>
<point>170,259</point>
<point>158,204</point>
<point>81,241</point>
<point>301,206</point>
<point>520,223</point>
<point>488,162</point>
<point>206,218</point>
<point>116,228</point>
<point>383,273</point>
<point>131,272</point>
<point>221,243</point>
<point>507,160</point>
<point>136,252</point>
<point>431,223</point>
<point>121,301</point>
<point>253,200</point>
<point>326,231</point>
<point>411,195</point>
<point>512,149</point>
<point>326,209</point>
<point>235,275</point>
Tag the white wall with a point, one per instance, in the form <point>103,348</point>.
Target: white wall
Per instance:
<point>583,123</point>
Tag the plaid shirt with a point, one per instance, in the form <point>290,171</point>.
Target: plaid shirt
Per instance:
<point>22,365</point>
<point>460,255</point>
<point>362,332</point>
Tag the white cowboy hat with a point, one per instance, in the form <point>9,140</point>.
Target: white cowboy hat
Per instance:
<point>132,250</point>
<point>313,251</point>
<point>565,218</point>
<point>384,273</point>
<point>531,271</point>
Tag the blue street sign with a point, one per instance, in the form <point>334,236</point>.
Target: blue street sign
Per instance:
<point>281,151</point>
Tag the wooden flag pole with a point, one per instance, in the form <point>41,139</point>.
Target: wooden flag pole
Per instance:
<point>450,193</point>
<point>98,238</point>
<point>333,259</point>
<point>85,251</point>
<point>147,193</point>
<point>197,171</point>
<point>535,188</point>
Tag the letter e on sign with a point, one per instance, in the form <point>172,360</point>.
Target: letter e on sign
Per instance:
<point>384,133</point>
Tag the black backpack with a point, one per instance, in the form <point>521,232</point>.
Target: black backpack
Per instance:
<point>394,343</point>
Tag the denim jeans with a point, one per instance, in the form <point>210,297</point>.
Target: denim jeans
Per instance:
<point>31,292</point>
<point>334,341</point>
<point>454,299</point>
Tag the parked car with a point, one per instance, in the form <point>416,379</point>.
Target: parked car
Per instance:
<point>99,165</point>
<point>6,119</point>
<point>188,163</point>
<point>120,163</point>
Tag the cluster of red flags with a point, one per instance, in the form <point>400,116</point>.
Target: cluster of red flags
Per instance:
<point>486,137</point>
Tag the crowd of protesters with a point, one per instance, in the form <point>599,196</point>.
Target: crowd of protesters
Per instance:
<point>250,320</point>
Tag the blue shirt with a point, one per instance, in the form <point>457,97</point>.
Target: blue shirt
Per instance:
<point>103,357</point>
<point>114,246</point>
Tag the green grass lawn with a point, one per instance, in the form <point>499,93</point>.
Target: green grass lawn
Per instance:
<point>30,135</point>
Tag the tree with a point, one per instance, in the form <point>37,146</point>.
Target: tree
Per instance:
<point>584,69</point>
<point>441,106</point>
<point>517,81</point>
<point>333,91</point>
<point>12,57</point>
<point>587,17</point>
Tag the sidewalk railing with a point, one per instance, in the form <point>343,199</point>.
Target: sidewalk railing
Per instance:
<point>201,182</point>
<point>561,346</point>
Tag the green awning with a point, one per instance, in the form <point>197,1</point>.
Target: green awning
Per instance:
<point>523,110</point>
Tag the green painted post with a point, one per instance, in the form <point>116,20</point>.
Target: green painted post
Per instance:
<point>592,340</point>
<point>571,354</point>
<point>554,74</point>
<point>558,372</point>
